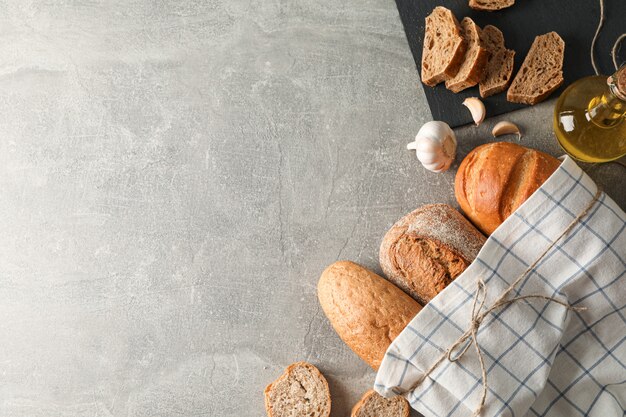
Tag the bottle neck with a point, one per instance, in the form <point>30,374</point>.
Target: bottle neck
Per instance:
<point>609,109</point>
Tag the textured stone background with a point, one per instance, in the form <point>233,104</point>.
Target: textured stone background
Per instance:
<point>174,177</point>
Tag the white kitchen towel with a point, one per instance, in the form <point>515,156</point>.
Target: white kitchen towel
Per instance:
<point>541,358</point>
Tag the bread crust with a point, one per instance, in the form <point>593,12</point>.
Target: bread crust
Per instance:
<point>367,396</point>
<point>491,6</point>
<point>366,310</point>
<point>469,30</point>
<point>538,48</point>
<point>459,49</point>
<point>499,68</point>
<point>439,226</point>
<point>285,374</point>
<point>496,178</point>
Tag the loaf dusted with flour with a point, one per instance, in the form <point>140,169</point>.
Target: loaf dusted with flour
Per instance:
<point>301,390</point>
<point>427,249</point>
<point>495,179</point>
<point>366,310</point>
<point>373,405</point>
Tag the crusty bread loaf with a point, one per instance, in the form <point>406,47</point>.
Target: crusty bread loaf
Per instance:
<point>495,179</point>
<point>373,405</point>
<point>427,249</point>
<point>443,47</point>
<point>366,310</point>
<point>474,60</point>
<point>301,390</point>
<point>542,71</point>
<point>490,5</point>
<point>499,68</point>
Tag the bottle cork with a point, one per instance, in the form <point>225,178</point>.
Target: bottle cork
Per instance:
<point>621,80</point>
<point>618,82</point>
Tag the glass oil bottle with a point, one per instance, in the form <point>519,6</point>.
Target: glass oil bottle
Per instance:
<point>590,118</point>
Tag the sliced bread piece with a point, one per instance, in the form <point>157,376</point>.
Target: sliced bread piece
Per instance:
<point>542,71</point>
<point>301,390</point>
<point>474,59</point>
<point>499,69</point>
<point>490,5</point>
<point>373,405</point>
<point>443,47</point>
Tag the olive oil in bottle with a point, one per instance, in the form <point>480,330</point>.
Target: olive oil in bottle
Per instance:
<point>590,118</point>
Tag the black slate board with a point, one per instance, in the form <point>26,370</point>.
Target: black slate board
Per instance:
<point>574,20</point>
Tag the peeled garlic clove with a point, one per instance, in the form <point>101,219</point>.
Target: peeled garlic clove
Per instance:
<point>506,128</point>
<point>477,108</point>
<point>435,146</point>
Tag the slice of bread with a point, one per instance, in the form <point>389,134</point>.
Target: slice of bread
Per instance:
<point>373,405</point>
<point>542,71</point>
<point>301,390</point>
<point>443,47</point>
<point>499,69</point>
<point>474,59</point>
<point>490,5</point>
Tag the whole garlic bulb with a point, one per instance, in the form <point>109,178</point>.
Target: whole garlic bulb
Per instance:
<point>435,146</point>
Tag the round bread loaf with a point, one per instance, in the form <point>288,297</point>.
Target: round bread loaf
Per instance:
<point>495,179</point>
<point>366,310</point>
<point>427,249</point>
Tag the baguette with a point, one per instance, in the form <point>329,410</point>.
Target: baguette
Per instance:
<point>365,310</point>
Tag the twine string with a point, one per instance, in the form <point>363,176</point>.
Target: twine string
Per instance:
<point>479,313</point>
<point>616,45</point>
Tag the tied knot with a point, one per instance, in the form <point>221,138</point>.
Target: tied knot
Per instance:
<point>459,348</point>
<point>476,319</point>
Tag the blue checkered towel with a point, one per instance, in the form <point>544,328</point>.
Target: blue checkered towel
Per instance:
<point>541,358</point>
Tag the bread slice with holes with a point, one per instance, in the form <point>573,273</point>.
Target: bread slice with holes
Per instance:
<point>301,390</point>
<point>499,68</point>
<point>443,48</point>
<point>490,5</point>
<point>542,71</point>
<point>474,59</point>
<point>373,405</point>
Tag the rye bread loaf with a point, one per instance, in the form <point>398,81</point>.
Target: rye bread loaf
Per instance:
<point>301,390</point>
<point>373,405</point>
<point>499,67</point>
<point>495,179</point>
<point>443,48</point>
<point>474,60</point>
<point>490,5</point>
<point>542,71</point>
<point>366,310</point>
<point>427,249</point>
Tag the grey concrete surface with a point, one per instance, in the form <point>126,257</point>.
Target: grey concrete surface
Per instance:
<point>174,178</point>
